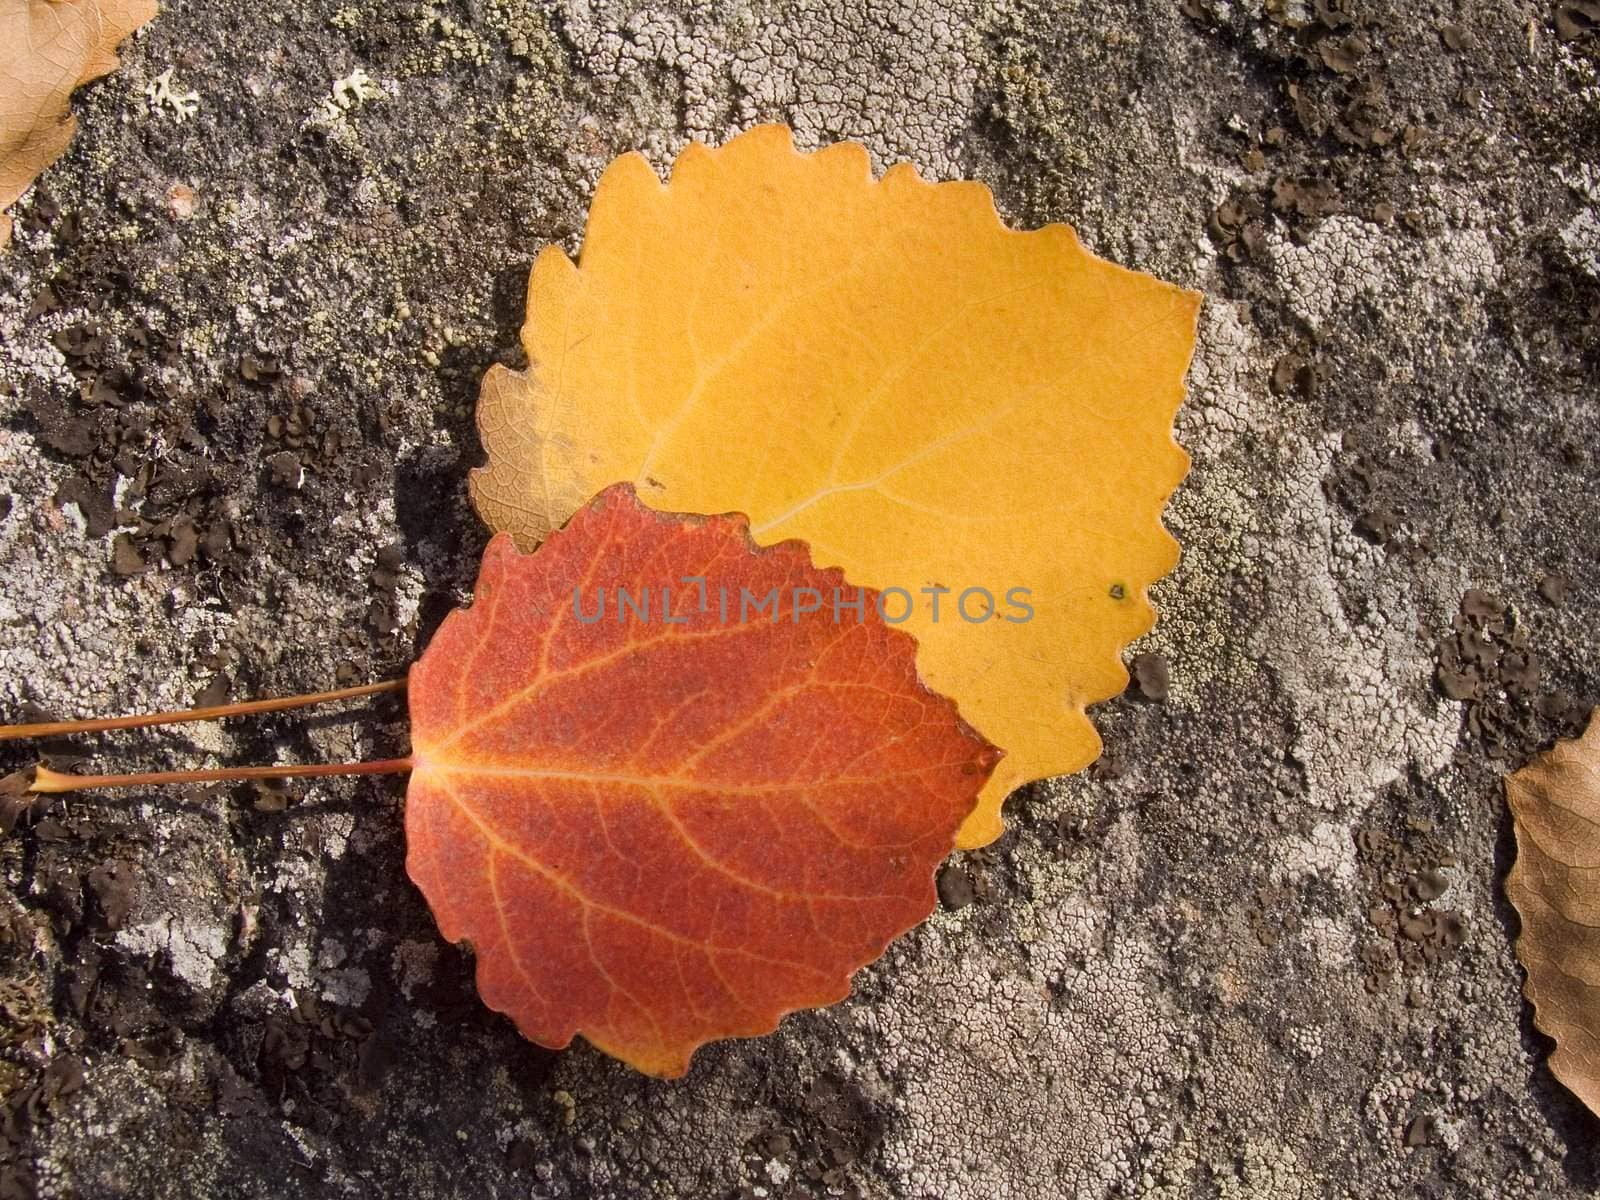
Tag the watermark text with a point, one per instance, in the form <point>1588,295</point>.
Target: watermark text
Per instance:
<point>645,604</point>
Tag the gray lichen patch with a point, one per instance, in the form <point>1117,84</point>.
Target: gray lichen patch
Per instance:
<point>1066,1055</point>
<point>898,77</point>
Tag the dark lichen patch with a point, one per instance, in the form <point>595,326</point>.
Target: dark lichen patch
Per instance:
<point>1237,228</point>
<point>816,1149</point>
<point>1576,21</point>
<point>1553,589</point>
<point>38,1075</point>
<point>1295,373</point>
<point>146,463</point>
<point>1151,675</point>
<point>955,886</point>
<point>1406,871</point>
<point>1273,913</point>
<point>1489,664</point>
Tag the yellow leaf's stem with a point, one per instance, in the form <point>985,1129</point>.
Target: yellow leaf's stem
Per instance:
<point>279,704</point>
<point>46,780</point>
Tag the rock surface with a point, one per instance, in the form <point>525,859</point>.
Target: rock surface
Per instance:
<point>1259,950</point>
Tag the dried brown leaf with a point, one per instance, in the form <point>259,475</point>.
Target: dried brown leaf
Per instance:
<point>1555,886</point>
<point>47,49</point>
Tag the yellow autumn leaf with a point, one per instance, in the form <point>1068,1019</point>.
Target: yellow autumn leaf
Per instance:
<point>1555,886</point>
<point>47,49</point>
<point>884,370</point>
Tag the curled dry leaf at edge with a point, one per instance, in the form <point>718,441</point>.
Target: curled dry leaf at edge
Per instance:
<point>1555,886</point>
<point>882,369</point>
<point>48,48</point>
<point>658,833</point>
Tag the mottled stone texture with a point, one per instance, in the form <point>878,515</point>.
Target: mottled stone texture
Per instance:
<point>238,356</point>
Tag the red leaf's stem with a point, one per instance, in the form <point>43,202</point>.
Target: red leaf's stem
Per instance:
<point>52,728</point>
<point>46,780</point>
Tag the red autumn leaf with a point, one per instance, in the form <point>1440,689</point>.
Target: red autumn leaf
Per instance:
<point>658,834</point>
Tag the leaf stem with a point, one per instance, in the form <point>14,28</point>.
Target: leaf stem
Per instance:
<point>46,780</point>
<point>278,704</point>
